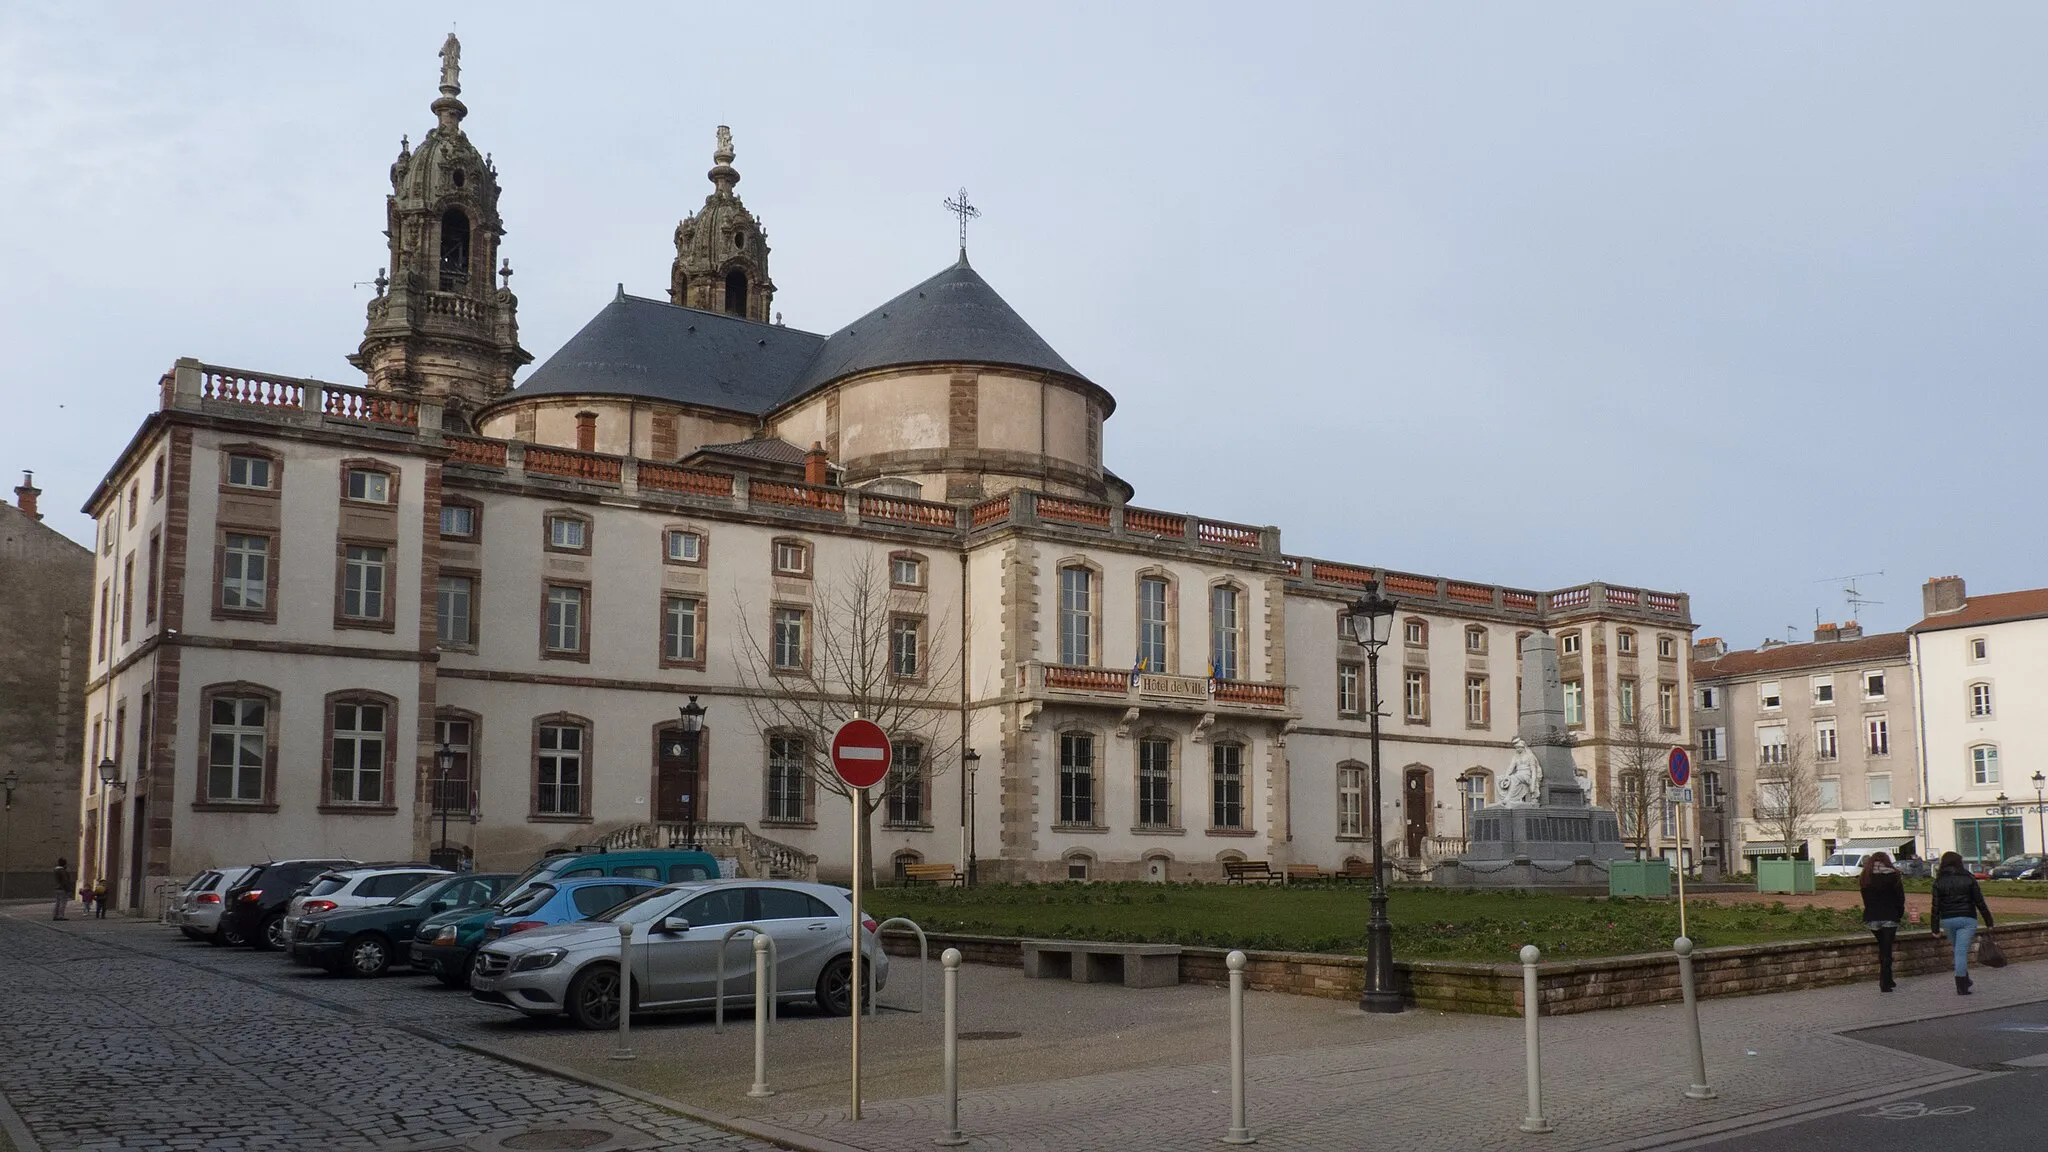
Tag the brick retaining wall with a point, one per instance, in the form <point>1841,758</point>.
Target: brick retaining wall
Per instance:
<point>1570,986</point>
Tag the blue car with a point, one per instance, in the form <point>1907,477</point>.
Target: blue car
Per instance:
<point>563,902</point>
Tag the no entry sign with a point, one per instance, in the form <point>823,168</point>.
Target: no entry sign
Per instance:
<point>1680,767</point>
<point>860,753</point>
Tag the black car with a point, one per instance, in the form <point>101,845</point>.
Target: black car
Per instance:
<point>2020,868</point>
<point>255,907</point>
<point>366,941</point>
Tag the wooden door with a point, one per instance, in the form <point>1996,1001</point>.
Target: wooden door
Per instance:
<point>675,753</point>
<point>1416,805</point>
<point>112,872</point>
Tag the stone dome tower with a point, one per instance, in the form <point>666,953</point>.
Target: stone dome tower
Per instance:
<point>439,327</point>
<point>721,260</point>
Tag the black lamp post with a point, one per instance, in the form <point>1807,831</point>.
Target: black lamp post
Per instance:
<point>1372,622</point>
<point>444,762</point>
<point>110,774</point>
<point>2041,787</point>
<point>972,760</point>
<point>692,720</point>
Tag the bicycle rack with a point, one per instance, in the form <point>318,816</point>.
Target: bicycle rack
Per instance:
<point>774,986</point>
<point>923,958</point>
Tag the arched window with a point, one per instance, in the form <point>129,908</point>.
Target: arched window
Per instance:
<point>736,293</point>
<point>1079,865</point>
<point>1984,764</point>
<point>454,249</point>
<point>1980,699</point>
<point>900,863</point>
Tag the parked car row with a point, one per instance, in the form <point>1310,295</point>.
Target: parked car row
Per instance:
<point>545,942</point>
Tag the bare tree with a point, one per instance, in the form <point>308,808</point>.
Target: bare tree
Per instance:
<point>1642,751</point>
<point>1787,792</point>
<point>850,655</point>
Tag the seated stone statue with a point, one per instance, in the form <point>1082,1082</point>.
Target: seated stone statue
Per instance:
<point>1523,784</point>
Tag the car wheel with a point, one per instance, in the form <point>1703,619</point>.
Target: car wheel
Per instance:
<point>367,955</point>
<point>270,937</point>
<point>594,998</point>
<point>228,936</point>
<point>835,987</point>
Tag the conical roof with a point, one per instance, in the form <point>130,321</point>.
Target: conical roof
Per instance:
<point>638,347</point>
<point>952,317</point>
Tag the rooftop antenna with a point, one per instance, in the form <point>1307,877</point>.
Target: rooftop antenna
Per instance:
<point>1855,599</point>
<point>965,211</point>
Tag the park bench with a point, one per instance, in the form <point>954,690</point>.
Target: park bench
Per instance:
<point>1305,874</point>
<point>1243,871</point>
<point>1353,870</point>
<point>1102,962</point>
<point>932,874</point>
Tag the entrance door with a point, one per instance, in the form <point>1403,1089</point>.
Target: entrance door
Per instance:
<point>136,861</point>
<point>112,871</point>
<point>1417,805</point>
<point>676,786</point>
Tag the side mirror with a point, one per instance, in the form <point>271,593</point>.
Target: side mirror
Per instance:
<point>675,924</point>
<point>440,906</point>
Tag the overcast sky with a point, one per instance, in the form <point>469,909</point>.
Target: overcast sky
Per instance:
<point>1727,299</point>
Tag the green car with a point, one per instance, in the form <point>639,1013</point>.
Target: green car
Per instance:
<point>447,943</point>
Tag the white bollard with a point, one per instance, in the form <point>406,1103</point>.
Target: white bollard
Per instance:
<point>1239,1133</point>
<point>1534,1121</point>
<point>951,1137</point>
<point>1700,1089</point>
<point>763,996</point>
<point>625,1049</point>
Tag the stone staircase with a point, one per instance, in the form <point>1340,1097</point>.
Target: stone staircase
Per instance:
<point>759,857</point>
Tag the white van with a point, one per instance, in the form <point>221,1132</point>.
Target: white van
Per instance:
<point>1848,863</point>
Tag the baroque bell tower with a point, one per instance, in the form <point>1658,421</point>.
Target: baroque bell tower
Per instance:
<point>439,326</point>
<point>721,260</point>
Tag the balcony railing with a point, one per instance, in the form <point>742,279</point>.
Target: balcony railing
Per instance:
<point>1123,687</point>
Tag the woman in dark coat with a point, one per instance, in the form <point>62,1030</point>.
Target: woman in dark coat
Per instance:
<point>1884,905</point>
<point>1958,902</point>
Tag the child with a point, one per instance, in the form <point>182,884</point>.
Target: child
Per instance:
<point>99,899</point>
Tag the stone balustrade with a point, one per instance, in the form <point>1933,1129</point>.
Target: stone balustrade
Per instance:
<point>1052,681</point>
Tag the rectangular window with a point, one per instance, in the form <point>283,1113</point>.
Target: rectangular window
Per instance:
<point>1830,793</point>
<point>1823,689</point>
<point>1224,632</point>
<point>1669,827</point>
<point>245,572</point>
<point>1873,685</point>
<point>249,472</point>
<point>1770,744</point>
<point>1879,742</point>
<point>1667,707</point>
<point>683,547</point>
<point>1475,639</point>
<point>1472,789</point>
<point>788,653</point>
<point>905,786</point>
<point>788,778</point>
<point>362,582</point>
<point>558,771</point>
<point>1985,842</point>
<point>1710,743</point>
<point>453,599</point>
<point>1415,633</point>
<point>1667,648</point>
<point>1152,624</point>
<point>356,775</point>
<point>458,521</point>
<point>1227,786</point>
<point>1710,698</point>
<point>369,485</point>
<point>1625,697</point>
<point>156,561</point>
<point>1825,745</point>
<point>1350,801</point>
<point>1880,789</point>
<point>1574,702</point>
<point>1768,695</point>
<point>128,598</point>
<point>1077,617</point>
<point>1983,764</point>
<point>906,572</point>
<point>1710,789</point>
<point>451,791</point>
<point>156,477</point>
<point>680,617</point>
<point>1568,644</point>
<point>1415,696</point>
<point>568,534</point>
<point>1980,694</point>
<point>792,558</point>
<point>1979,648</point>
<point>1625,642</point>
<point>1155,783</point>
<point>906,646</point>
<point>1347,688</point>
<point>237,741</point>
<point>1476,702</point>
<point>562,629</point>
<point>1077,778</point>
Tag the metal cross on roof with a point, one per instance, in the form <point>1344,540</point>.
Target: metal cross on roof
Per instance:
<point>965,211</point>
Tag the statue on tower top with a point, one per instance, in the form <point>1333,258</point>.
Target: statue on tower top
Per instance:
<point>451,63</point>
<point>724,153</point>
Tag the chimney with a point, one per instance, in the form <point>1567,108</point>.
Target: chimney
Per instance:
<point>1827,633</point>
<point>1941,595</point>
<point>814,465</point>
<point>1709,648</point>
<point>1851,631</point>
<point>586,431</point>
<point>25,494</point>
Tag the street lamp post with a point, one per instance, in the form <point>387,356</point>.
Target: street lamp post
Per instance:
<point>2041,818</point>
<point>109,773</point>
<point>11,781</point>
<point>444,760</point>
<point>972,760</point>
<point>692,720</point>
<point>1372,621</point>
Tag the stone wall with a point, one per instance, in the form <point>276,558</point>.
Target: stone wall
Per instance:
<point>1564,988</point>
<point>46,581</point>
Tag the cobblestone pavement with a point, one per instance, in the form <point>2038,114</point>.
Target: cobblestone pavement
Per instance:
<point>117,1035</point>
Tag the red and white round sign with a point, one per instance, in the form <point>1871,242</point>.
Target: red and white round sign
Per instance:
<point>860,753</point>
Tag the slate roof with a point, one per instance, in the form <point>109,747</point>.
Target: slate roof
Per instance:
<point>771,449</point>
<point>640,347</point>
<point>1885,647</point>
<point>1995,608</point>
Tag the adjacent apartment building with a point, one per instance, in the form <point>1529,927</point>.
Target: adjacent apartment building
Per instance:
<point>46,581</point>
<point>1815,738</point>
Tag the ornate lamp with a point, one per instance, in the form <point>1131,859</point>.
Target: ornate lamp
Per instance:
<point>1370,621</point>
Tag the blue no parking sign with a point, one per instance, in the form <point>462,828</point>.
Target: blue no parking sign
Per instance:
<point>1680,767</point>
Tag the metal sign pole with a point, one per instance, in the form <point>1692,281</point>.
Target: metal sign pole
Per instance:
<point>859,797</point>
<point>1681,868</point>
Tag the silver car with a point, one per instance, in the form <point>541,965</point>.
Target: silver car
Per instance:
<point>199,905</point>
<point>677,930</point>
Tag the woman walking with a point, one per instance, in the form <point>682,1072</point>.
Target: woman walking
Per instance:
<point>1958,902</point>
<point>1884,905</point>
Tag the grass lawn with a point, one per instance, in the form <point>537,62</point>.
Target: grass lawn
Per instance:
<point>2018,889</point>
<point>1428,923</point>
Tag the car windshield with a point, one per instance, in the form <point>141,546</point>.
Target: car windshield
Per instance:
<point>530,900</point>
<point>646,905</point>
<point>423,891</point>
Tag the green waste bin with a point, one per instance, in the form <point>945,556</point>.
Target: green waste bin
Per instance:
<point>1639,877</point>
<point>1790,876</point>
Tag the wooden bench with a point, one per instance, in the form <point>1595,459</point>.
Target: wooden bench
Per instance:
<point>1305,874</point>
<point>1243,871</point>
<point>932,874</point>
<point>1354,870</point>
<point>1102,962</point>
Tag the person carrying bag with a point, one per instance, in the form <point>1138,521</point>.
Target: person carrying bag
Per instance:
<point>1884,905</point>
<point>1958,902</point>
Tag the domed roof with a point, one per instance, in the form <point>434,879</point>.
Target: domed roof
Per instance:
<point>953,317</point>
